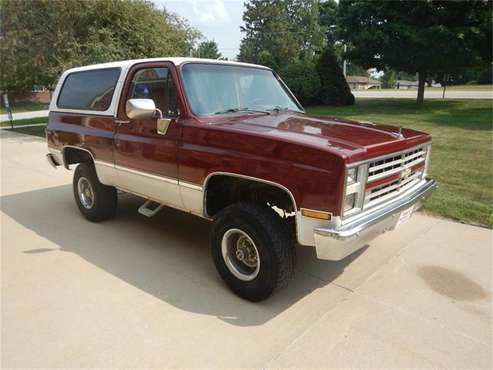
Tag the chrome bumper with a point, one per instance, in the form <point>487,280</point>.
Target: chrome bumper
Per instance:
<point>52,160</point>
<point>335,244</point>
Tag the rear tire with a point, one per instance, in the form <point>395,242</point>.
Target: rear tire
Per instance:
<point>252,250</point>
<point>96,201</point>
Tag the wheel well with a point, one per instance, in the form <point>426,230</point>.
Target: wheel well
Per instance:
<point>75,155</point>
<point>224,190</point>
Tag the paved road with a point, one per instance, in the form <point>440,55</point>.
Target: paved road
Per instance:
<point>136,292</point>
<point>429,94</point>
<point>25,115</point>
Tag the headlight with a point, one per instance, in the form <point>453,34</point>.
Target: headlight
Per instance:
<point>352,175</point>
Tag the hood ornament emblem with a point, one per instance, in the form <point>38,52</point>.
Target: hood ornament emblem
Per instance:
<point>398,134</point>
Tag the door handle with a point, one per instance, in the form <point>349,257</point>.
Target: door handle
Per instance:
<point>120,122</point>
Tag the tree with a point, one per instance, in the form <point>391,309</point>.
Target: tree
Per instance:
<point>267,28</point>
<point>427,37</point>
<point>334,89</point>
<point>482,74</point>
<point>356,70</point>
<point>304,21</point>
<point>288,29</point>
<point>328,21</point>
<point>265,58</point>
<point>208,49</point>
<point>303,80</point>
<point>389,78</point>
<point>41,39</point>
<point>479,74</point>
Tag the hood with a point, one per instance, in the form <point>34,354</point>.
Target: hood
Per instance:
<point>354,140</point>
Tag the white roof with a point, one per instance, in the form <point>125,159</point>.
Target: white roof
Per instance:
<point>125,64</point>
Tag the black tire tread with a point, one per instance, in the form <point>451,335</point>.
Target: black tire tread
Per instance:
<point>270,229</point>
<point>105,202</point>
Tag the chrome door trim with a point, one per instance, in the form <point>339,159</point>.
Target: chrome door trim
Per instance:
<point>190,185</point>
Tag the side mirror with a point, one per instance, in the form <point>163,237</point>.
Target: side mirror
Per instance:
<point>140,108</point>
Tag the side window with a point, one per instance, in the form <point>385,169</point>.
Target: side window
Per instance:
<point>156,84</point>
<point>89,90</point>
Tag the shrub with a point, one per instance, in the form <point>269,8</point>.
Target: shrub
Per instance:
<point>302,79</point>
<point>334,89</point>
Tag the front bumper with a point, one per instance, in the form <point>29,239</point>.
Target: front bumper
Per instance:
<point>335,244</point>
<point>52,160</point>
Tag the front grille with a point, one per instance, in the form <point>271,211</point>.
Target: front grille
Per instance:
<point>382,179</point>
<point>395,164</point>
<point>403,170</point>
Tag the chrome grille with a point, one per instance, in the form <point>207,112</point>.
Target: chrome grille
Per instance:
<point>388,189</point>
<point>400,165</point>
<point>395,164</point>
<point>383,178</point>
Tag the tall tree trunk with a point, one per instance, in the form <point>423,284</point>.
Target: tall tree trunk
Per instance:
<point>421,87</point>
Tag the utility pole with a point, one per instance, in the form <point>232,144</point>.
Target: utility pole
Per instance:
<point>445,79</point>
<point>344,62</point>
<point>8,109</point>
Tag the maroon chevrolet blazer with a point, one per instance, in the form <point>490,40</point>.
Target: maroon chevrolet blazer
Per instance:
<point>230,143</point>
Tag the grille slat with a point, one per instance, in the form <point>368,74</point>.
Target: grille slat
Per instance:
<point>385,165</point>
<point>393,164</point>
<point>384,189</point>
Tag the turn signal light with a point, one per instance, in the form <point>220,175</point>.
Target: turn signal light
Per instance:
<point>316,214</point>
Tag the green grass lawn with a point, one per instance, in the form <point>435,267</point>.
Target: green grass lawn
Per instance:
<point>462,150</point>
<point>28,121</point>
<point>25,107</point>
<point>33,130</point>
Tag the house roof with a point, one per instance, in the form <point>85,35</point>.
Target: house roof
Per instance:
<point>362,80</point>
<point>407,83</point>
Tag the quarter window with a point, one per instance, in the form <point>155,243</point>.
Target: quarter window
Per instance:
<point>89,90</point>
<point>156,84</point>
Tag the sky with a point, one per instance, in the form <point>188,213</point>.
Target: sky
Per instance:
<point>218,20</point>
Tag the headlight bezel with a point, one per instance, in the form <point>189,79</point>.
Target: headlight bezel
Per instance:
<point>349,202</point>
<point>354,189</point>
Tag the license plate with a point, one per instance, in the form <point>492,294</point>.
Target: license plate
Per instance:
<point>405,216</point>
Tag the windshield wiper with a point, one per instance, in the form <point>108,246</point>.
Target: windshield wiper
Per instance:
<point>278,109</point>
<point>234,110</point>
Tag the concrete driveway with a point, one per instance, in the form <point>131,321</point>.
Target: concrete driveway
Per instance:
<point>143,293</point>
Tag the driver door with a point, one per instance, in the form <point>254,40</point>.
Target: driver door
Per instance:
<point>145,156</point>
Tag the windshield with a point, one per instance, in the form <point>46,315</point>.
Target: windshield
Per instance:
<point>219,88</point>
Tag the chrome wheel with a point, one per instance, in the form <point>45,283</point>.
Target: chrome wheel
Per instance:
<point>86,193</point>
<point>240,254</point>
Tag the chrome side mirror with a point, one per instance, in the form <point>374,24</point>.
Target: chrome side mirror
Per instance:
<point>140,108</point>
<point>145,108</point>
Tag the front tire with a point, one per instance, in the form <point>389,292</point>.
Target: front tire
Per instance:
<point>96,201</point>
<point>252,250</point>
